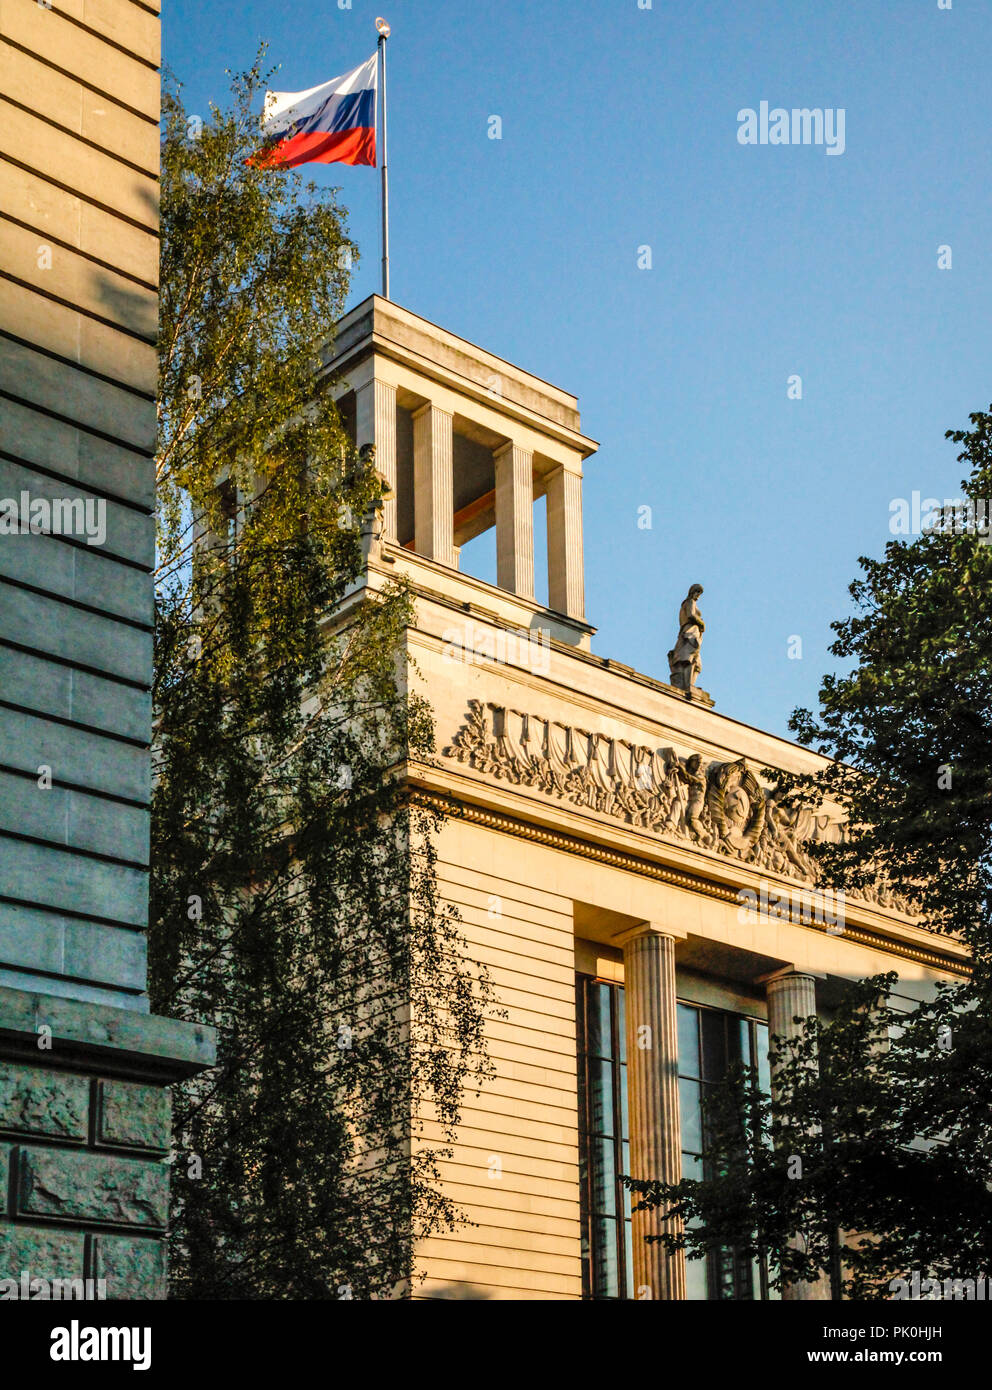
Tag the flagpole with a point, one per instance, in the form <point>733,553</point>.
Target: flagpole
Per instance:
<point>383,29</point>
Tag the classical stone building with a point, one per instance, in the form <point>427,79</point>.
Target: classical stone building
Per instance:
<point>83,1065</point>
<point>617,860</point>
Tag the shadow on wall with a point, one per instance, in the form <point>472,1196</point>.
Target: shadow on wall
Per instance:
<point>469,1292</point>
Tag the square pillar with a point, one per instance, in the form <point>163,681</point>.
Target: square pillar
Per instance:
<point>375,423</point>
<point>653,1099</point>
<point>515,519</point>
<point>566,591</point>
<point>433,486</point>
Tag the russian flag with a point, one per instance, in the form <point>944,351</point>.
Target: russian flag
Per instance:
<point>330,124</point>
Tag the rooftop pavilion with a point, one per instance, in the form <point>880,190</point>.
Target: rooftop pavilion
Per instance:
<point>465,442</point>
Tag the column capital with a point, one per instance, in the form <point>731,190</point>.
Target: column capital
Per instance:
<point>574,467</point>
<point>420,410</point>
<point>647,930</point>
<point>788,972</point>
<point>501,450</point>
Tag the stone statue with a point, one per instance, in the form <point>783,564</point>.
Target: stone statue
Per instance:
<point>684,660</point>
<point>695,779</point>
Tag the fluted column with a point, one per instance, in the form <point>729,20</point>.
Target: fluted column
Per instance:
<point>515,519</point>
<point>566,585</point>
<point>375,423</point>
<point>433,485</point>
<point>653,1098</point>
<point>791,994</point>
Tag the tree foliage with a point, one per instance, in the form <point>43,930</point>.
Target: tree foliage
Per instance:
<point>294,902</point>
<point>870,1161</point>
<point>880,1121</point>
<point>910,727</point>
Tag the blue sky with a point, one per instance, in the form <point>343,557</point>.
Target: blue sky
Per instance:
<point>619,131</point>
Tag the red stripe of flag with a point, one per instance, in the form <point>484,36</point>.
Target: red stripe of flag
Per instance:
<point>322,147</point>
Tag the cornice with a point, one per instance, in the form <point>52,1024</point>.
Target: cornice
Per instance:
<point>458,809</point>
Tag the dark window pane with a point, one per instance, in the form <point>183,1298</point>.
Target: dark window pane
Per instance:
<point>722,1267</point>
<point>688,1040</point>
<point>742,1279</point>
<point>714,1031</point>
<point>600,1110</point>
<point>598,1040</point>
<point>709,1040</point>
<point>761,1041</point>
<point>743,1042</point>
<point>696,1283</point>
<point>605,1266</point>
<point>603,1193</point>
<point>692,1122</point>
<point>692,1167</point>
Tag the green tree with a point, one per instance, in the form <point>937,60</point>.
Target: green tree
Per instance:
<point>294,903</point>
<point>910,727</point>
<point>889,1114</point>
<point>879,1127</point>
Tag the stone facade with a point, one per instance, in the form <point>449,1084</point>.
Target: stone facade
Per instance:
<point>601,826</point>
<point>83,1066</point>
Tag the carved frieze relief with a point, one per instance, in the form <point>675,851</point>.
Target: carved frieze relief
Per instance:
<point>719,807</point>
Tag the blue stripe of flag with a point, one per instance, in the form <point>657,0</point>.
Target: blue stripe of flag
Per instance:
<point>354,111</point>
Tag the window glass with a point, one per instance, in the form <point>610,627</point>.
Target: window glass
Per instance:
<point>606,1283</point>
<point>743,1050</point>
<point>715,1039</point>
<point>708,1040</point>
<point>692,1166</point>
<point>629,1254</point>
<point>602,1094</point>
<point>600,1077</point>
<point>688,1040</point>
<point>604,1176</point>
<point>696,1280</point>
<point>691,1115</point>
<point>723,1273</point>
<point>599,1041</point>
<point>761,1048</point>
<point>714,1035</point>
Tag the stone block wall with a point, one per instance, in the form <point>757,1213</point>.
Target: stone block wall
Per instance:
<point>82,1166</point>
<point>83,1064</point>
<point>85,1140</point>
<point>79,157</point>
